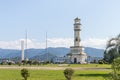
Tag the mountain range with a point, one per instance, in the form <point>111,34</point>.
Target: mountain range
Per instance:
<point>51,52</point>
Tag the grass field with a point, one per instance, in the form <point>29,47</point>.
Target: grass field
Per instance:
<point>14,74</point>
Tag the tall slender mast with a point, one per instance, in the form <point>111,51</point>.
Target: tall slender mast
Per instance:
<point>46,42</point>
<point>46,47</point>
<point>26,42</point>
<point>22,49</point>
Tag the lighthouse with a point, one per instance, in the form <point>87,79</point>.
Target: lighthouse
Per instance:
<point>77,32</point>
<point>77,54</point>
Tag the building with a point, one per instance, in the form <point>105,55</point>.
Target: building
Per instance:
<point>59,60</point>
<point>77,54</point>
<point>93,59</point>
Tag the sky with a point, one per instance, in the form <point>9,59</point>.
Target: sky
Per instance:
<point>100,21</point>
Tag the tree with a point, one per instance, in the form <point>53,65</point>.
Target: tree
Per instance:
<point>25,74</point>
<point>115,74</point>
<point>112,50</point>
<point>29,62</point>
<point>68,72</point>
<point>24,62</point>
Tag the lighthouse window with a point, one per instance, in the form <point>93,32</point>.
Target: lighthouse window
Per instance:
<point>76,39</point>
<point>77,27</point>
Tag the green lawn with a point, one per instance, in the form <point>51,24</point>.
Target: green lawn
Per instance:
<point>91,65</point>
<point>91,75</point>
<point>80,65</point>
<point>14,74</point>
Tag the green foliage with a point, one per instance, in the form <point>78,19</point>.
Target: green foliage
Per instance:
<point>29,62</point>
<point>68,72</point>
<point>35,62</point>
<point>112,50</point>
<point>25,74</point>
<point>115,74</point>
<point>24,62</point>
<point>102,62</point>
<point>14,74</point>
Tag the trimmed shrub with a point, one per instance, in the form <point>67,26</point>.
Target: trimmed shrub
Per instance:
<point>68,72</point>
<point>25,74</point>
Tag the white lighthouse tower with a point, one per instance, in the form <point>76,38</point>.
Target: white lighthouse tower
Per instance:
<point>77,54</point>
<point>22,50</point>
<point>77,32</point>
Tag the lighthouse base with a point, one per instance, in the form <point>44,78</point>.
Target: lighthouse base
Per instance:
<point>77,55</point>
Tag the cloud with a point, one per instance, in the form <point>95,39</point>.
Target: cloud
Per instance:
<point>60,42</point>
<point>95,43</point>
<point>31,43</point>
<point>53,42</point>
<point>67,42</point>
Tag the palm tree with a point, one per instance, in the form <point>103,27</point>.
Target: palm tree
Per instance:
<point>112,50</point>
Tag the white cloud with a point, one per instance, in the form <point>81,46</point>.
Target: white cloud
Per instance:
<point>53,42</point>
<point>95,43</point>
<point>67,42</point>
<point>31,43</point>
<point>60,42</point>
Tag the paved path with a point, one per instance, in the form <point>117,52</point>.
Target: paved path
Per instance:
<point>49,68</point>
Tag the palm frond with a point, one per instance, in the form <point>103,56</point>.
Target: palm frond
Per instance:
<point>110,43</point>
<point>118,36</point>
